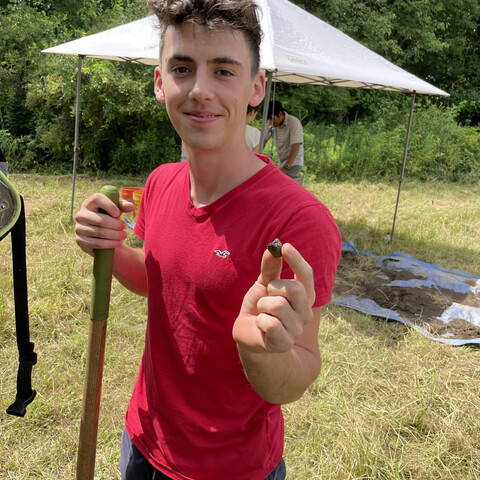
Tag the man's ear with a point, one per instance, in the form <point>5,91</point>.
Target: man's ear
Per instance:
<point>258,90</point>
<point>158,85</point>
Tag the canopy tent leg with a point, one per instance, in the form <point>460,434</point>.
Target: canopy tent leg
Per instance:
<point>77,127</point>
<point>268,88</point>
<point>405,151</point>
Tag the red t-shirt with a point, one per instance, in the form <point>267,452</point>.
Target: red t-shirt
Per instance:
<point>193,414</point>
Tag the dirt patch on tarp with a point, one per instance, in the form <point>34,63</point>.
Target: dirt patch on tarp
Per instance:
<point>358,275</point>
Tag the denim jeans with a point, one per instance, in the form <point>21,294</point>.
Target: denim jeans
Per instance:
<point>134,466</point>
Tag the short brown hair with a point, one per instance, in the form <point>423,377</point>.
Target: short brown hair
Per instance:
<point>238,15</point>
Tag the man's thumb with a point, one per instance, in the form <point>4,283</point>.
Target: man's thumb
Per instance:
<point>271,268</point>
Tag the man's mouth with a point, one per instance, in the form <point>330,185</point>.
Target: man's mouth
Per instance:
<point>202,115</point>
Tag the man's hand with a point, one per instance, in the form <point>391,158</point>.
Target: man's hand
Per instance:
<point>99,230</point>
<point>275,311</point>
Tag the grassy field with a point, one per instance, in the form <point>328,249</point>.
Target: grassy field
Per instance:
<point>388,405</point>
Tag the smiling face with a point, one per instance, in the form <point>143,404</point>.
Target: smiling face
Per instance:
<point>205,80</point>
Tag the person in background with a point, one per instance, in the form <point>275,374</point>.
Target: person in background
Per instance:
<point>288,137</point>
<point>232,331</point>
<point>252,134</point>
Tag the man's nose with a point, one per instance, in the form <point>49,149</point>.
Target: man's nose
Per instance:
<point>202,88</point>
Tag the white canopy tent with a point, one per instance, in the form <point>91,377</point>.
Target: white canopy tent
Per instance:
<point>297,47</point>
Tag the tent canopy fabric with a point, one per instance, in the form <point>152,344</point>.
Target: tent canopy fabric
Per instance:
<point>296,47</point>
<point>299,47</point>
<point>133,42</point>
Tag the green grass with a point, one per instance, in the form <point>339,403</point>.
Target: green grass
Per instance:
<point>388,405</point>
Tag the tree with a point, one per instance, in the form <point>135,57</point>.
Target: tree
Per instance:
<point>122,126</point>
<point>436,40</point>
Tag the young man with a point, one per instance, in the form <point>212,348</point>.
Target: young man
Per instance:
<point>288,136</point>
<point>232,332</point>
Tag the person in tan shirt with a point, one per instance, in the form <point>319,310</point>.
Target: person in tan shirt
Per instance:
<point>288,137</point>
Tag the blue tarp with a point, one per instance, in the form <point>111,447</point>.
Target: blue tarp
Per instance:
<point>423,275</point>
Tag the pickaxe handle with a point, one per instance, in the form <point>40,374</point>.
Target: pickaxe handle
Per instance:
<point>102,281</point>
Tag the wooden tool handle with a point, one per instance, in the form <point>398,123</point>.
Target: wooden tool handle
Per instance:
<point>102,280</point>
<point>92,388</point>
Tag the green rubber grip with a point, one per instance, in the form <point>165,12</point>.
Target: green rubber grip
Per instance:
<point>102,269</point>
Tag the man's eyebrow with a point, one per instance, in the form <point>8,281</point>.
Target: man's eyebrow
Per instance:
<point>229,60</point>
<point>214,61</point>
<point>180,58</point>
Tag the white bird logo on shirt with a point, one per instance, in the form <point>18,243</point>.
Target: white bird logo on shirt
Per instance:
<point>222,254</point>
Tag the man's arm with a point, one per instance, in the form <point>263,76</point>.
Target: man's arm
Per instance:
<point>291,156</point>
<point>284,377</point>
<point>129,268</point>
<point>277,330</point>
<point>96,230</point>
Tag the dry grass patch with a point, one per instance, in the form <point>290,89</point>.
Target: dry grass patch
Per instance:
<point>388,405</point>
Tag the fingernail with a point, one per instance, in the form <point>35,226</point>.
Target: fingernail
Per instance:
<point>287,249</point>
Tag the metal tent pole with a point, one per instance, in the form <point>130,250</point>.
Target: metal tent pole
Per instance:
<point>77,127</point>
<point>268,89</point>
<point>405,150</point>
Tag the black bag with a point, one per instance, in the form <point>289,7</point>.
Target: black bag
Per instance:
<point>12,220</point>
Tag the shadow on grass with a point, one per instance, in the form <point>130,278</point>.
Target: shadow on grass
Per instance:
<point>389,333</point>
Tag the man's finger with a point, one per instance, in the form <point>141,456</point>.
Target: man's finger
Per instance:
<point>301,269</point>
<point>271,268</point>
<point>126,206</point>
<point>100,201</point>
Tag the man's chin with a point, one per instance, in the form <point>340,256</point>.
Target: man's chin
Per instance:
<point>202,145</point>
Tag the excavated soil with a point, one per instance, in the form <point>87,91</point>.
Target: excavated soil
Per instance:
<point>358,275</point>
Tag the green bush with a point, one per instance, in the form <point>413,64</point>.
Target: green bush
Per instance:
<point>438,149</point>
<point>349,134</point>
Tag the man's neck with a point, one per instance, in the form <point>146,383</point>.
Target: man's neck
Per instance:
<point>212,175</point>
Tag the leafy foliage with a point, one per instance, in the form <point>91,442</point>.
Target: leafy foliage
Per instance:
<point>437,40</point>
<point>348,134</point>
<point>122,126</point>
<point>439,149</point>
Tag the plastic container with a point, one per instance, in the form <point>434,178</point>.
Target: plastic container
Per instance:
<point>137,198</point>
<point>127,194</point>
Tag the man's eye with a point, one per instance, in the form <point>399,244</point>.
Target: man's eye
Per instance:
<point>225,73</point>
<point>180,69</point>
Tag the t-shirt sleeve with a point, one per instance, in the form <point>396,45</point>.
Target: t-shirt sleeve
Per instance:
<point>255,137</point>
<point>296,132</point>
<point>139,228</point>
<point>252,136</point>
<point>314,233</point>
